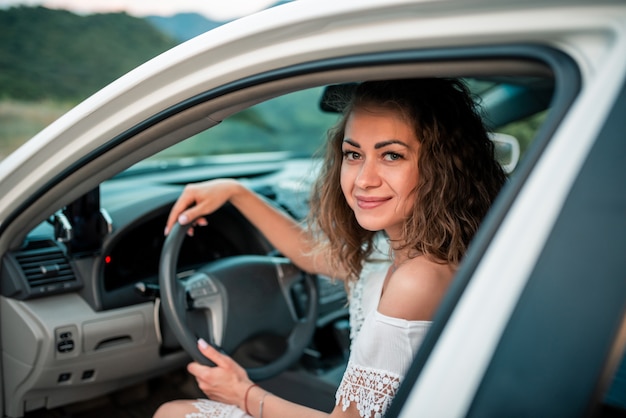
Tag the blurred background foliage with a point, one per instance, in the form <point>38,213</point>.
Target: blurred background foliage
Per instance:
<point>50,60</point>
<point>55,54</point>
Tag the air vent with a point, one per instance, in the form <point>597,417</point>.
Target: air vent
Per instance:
<point>46,269</point>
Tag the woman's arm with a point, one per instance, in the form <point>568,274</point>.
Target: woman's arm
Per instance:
<point>287,236</point>
<point>228,382</point>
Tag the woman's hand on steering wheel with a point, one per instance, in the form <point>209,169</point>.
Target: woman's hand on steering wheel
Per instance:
<point>226,382</point>
<point>200,199</point>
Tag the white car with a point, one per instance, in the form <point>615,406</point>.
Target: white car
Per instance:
<point>534,323</point>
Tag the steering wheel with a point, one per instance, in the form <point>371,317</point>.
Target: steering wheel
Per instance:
<point>233,300</point>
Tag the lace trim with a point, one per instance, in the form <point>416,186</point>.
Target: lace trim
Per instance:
<point>372,390</point>
<point>211,409</point>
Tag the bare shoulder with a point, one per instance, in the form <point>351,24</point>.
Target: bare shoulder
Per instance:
<point>415,289</point>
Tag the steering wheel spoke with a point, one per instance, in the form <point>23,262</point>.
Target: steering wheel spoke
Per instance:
<point>293,285</point>
<point>203,294</point>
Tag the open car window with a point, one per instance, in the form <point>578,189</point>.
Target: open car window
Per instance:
<point>288,126</point>
<point>294,125</point>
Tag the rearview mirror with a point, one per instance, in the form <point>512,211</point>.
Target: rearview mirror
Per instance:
<point>507,150</point>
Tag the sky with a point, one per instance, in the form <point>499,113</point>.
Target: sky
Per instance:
<point>219,10</point>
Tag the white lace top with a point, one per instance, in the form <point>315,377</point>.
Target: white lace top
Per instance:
<point>382,348</point>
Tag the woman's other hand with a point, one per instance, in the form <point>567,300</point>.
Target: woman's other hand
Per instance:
<point>226,382</point>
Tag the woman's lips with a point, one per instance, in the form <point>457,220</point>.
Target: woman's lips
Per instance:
<point>370,202</point>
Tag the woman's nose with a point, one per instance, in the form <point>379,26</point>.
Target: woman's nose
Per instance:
<point>368,175</point>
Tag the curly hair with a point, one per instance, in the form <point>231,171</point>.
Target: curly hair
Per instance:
<point>458,175</point>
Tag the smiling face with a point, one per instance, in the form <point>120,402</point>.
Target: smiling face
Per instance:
<point>379,170</point>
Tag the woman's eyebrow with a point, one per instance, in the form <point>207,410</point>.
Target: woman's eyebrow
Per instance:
<point>383,144</point>
<point>378,145</point>
<point>351,142</point>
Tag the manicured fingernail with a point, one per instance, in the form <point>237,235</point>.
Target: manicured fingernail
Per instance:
<point>166,231</point>
<point>182,219</point>
<point>202,343</point>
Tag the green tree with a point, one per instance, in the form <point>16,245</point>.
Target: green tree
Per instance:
<point>55,54</point>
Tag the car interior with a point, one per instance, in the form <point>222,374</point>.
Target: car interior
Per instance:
<point>88,328</point>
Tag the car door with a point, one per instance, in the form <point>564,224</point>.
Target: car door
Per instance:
<point>537,328</point>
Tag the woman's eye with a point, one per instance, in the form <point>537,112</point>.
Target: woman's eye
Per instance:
<point>351,155</point>
<point>392,156</point>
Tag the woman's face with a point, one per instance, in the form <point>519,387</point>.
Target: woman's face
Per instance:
<point>379,170</point>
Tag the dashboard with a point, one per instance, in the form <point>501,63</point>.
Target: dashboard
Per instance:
<point>80,307</point>
<point>135,255</point>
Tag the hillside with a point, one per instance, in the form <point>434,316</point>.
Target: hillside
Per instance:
<point>55,54</point>
<point>183,26</point>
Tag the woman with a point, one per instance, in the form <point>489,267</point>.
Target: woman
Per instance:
<point>409,160</point>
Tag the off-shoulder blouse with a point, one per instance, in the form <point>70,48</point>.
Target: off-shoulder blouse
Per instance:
<point>382,348</point>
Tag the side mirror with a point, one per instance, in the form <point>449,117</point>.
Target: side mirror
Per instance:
<point>507,150</point>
